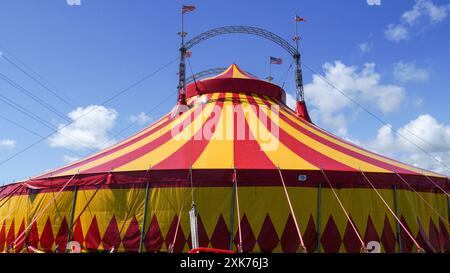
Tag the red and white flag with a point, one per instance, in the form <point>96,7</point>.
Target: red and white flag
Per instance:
<point>299,19</point>
<point>188,54</point>
<point>185,9</point>
<point>274,60</point>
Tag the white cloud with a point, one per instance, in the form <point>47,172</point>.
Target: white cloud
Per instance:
<point>424,132</point>
<point>396,33</point>
<point>407,72</point>
<point>425,9</point>
<point>363,85</point>
<point>70,159</point>
<point>423,13</point>
<point>89,130</point>
<point>140,118</point>
<point>365,47</point>
<point>291,101</point>
<point>7,143</point>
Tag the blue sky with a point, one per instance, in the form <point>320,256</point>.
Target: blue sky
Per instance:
<point>393,58</point>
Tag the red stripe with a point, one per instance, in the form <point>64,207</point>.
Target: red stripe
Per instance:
<point>307,153</point>
<point>126,158</point>
<point>224,178</point>
<point>228,74</point>
<point>184,157</point>
<point>313,126</point>
<point>342,149</point>
<point>127,142</point>
<point>247,152</point>
<point>245,73</point>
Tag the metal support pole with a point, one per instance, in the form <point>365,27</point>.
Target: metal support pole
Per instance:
<point>233,201</point>
<point>182,76</point>
<point>448,208</point>
<point>319,201</point>
<point>298,77</point>
<point>141,241</point>
<point>399,239</point>
<point>72,214</point>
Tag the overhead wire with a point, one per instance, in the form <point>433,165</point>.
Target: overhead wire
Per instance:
<point>29,94</point>
<point>380,119</point>
<point>32,132</point>
<point>5,57</point>
<point>117,94</point>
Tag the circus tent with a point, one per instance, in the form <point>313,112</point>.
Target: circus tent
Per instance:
<point>262,177</point>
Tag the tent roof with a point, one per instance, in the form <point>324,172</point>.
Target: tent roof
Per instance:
<point>237,128</point>
<point>235,80</point>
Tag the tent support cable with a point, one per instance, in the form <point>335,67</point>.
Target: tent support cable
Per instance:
<point>240,245</point>
<point>144,220</point>
<point>363,246</point>
<point>299,233</point>
<point>423,199</point>
<point>19,237</point>
<point>419,248</point>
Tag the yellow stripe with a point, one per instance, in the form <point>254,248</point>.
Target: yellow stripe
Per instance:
<point>218,154</point>
<point>167,149</point>
<point>350,147</point>
<point>161,120</point>
<point>237,73</point>
<point>277,152</point>
<point>330,152</point>
<point>134,146</point>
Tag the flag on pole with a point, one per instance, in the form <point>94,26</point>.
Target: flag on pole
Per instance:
<point>299,19</point>
<point>188,54</point>
<point>185,9</point>
<point>274,60</point>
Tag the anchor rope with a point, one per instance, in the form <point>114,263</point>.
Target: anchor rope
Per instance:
<point>363,246</point>
<point>240,248</point>
<point>419,248</point>
<point>421,197</point>
<point>299,233</point>
<point>41,212</point>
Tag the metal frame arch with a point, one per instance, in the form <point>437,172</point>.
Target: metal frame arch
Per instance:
<point>293,51</point>
<point>242,30</point>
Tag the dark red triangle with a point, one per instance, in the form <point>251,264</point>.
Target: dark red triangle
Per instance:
<point>444,237</point>
<point>268,237</point>
<point>11,235</point>
<point>3,237</point>
<point>111,238</point>
<point>310,236</point>
<point>47,238</point>
<point>220,237</point>
<point>78,233</point>
<point>331,239</point>
<point>61,237</point>
<point>180,241</point>
<point>33,236</point>
<point>388,238</point>
<point>132,236</point>
<point>407,242</point>
<point>20,243</point>
<point>289,239</point>
<point>434,236</point>
<point>351,240</point>
<point>93,237</point>
<point>422,238</point>
<point>153,239</point>
<point>248,238</point>
<point>371,232</point>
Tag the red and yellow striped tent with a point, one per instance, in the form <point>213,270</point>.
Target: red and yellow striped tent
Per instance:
<point>230,152</point>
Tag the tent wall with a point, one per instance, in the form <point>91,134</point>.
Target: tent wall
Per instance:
<point>114,217</point>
